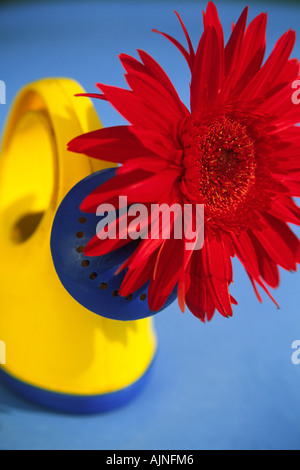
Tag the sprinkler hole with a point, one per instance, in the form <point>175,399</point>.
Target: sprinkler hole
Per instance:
<point>80,249</point>
<point>80,234</point>
<point>93,276</point>
<point>85,263</point>
<point>115,293</point>
<point>143,297</point>
<point>103,286</point>
<point>82,220</point>
<point>129,297</point>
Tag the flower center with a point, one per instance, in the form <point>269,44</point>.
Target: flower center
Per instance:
<point>219,161</point>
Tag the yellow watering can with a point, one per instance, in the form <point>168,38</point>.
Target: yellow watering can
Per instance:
<point>58,353</point>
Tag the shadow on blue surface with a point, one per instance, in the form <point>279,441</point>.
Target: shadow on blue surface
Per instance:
<point>10,399</point>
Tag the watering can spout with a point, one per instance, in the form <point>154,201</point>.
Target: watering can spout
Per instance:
<point>58,353</point>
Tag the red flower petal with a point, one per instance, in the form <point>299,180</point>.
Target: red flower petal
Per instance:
<point>149,164</point>
<point>264,79</point>
<point>114,144</point>
<point>136,186</point>
<point>251,54</point>
<point>163,281</point>
<point>137,277</point>
<point>207,71</point>
<point>134,110</point>
<point>156,71</point>
<point>279,241</point>
<point>150,87</point>
<point>179,46</point>
<point>286,210</point>
<point>233,47</point>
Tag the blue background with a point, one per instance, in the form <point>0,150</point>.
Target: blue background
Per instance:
<point>229,384</point>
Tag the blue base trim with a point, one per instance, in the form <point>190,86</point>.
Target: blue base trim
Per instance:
<point>76,404</point>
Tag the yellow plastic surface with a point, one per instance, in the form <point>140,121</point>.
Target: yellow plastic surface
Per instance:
<point>51,341</point>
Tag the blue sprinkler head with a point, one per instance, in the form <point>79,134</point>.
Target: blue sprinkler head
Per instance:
<point>91,281</point>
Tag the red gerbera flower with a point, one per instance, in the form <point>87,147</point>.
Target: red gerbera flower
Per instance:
<point>236,151</point>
